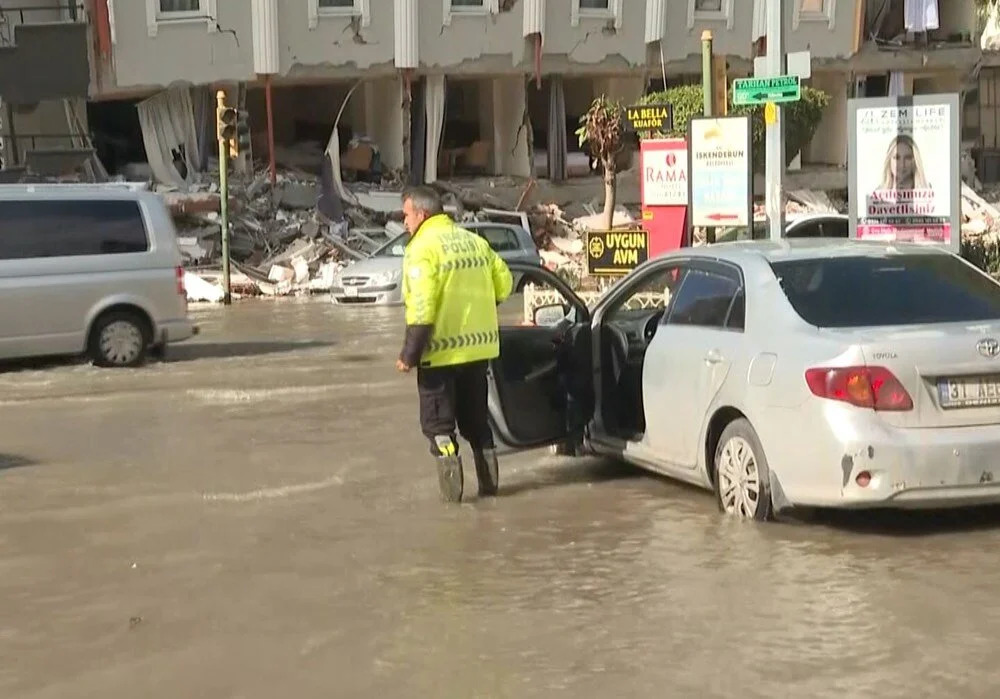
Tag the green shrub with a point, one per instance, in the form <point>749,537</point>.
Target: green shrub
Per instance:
<point>801,118</point>
<point>984,254</point>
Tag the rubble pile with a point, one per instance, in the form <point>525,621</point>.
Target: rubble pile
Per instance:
<point>279,243</point>
<point>980,219</point>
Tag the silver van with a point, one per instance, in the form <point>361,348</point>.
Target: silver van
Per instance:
<point>89,269</point>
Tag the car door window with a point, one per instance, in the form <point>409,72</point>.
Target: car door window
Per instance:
<point>737,314</point>
<point>69,228</point>
<point>805,230</point>
<point>500,239</point>
<point>654,291</point>
<point>834,228</point>
<point>705,299</point>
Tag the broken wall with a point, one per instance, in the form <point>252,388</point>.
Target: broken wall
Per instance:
<point>510,152</point>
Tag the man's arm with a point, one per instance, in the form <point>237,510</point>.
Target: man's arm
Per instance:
<point>420,282</point>
<point>503,282</point>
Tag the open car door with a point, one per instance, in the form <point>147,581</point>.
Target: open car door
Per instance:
<point>541,385</point>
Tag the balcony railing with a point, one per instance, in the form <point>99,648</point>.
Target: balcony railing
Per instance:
<point>14,16</point>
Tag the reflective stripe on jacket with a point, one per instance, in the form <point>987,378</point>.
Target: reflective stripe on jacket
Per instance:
<point>453,281</point>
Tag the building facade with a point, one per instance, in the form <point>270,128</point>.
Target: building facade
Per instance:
<point>481,86</point>
<point>44,84</point>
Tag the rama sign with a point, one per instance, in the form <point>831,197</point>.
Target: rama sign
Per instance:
<point>664,165</point>
<point>719,172</point>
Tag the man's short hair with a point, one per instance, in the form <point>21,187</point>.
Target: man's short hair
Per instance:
<point>424,198</point>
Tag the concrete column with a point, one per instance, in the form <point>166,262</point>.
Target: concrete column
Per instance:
<point>384,118</point>
<point>626,89</point>
<point>510,143</point>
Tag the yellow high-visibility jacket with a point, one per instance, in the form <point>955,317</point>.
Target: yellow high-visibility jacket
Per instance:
<point>452,283</point>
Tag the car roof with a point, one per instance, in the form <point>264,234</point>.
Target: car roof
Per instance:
<point>806,248</point>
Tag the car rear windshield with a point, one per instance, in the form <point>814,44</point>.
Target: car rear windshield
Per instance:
<point>844,292</point>
<point>500,239</point>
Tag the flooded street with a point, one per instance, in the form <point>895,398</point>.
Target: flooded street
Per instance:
<point>259,517</point>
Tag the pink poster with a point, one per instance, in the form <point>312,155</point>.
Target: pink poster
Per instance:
<point>903,173</point>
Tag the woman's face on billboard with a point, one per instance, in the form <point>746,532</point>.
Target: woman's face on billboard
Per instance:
<point>902,163</point>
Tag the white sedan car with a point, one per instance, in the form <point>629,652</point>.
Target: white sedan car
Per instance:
<point>806,372</point>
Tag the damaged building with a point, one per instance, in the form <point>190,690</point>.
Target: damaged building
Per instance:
<point>444,88</point>
<point>364,95</point>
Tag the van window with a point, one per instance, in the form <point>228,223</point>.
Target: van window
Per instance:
<point>53,228</point>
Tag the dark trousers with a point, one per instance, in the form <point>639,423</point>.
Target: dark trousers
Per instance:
<point>453,395</point>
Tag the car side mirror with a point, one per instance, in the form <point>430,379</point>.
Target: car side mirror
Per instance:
<point>549,314</point>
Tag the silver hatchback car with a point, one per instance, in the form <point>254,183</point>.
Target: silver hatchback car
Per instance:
<point>89,269</point>
<point>376,281</point>
<point>805,372</point>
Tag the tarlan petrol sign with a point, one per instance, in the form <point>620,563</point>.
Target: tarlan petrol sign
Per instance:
<point>616,252</point>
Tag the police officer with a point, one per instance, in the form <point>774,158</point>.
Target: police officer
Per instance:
<point>452,283</point>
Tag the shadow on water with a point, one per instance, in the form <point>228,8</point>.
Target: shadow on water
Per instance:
<point>184,352</point>
<point>194,351</point>
<point>572,473</point>
<point>904,523</point>
<point>9,461</point>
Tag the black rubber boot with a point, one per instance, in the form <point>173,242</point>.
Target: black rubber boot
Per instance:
<point>450,479</point>
<point>487,470</point>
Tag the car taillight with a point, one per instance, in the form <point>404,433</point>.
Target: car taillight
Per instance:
<point>180,282</point>
<point>872,387</point>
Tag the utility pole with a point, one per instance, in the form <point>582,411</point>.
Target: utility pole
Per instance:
<point>225,127</point>
<point>774,172</point>
<point>707,89</point>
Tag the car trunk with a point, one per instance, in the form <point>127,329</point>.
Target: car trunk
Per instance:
<point>951,381</point>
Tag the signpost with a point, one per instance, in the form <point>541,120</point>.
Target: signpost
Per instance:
<point>663,191</point>
<point>650,117</point>
<point>720,175</point>
<point>616,253</point>
<point>754,91</point>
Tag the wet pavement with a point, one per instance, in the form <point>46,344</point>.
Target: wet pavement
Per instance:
<point>257,517</point>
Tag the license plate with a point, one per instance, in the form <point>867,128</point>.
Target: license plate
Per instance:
<point>350,291</point>
<point>969,391</point>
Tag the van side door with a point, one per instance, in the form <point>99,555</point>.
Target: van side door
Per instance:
<point>58,259</point>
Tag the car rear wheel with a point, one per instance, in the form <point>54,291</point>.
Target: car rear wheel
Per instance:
<point>119,339</point>
<point>742,479</point>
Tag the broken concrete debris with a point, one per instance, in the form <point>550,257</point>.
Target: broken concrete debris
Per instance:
<point>281,244</point>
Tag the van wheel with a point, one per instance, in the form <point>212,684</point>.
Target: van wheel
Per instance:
<point>742,479</point>
<point>119,339</point>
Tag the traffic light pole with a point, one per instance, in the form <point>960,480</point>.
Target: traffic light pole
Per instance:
<point>774,116</point>
<point>227,297</point>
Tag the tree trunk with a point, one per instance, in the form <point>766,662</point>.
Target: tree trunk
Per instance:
<point>610,192</point>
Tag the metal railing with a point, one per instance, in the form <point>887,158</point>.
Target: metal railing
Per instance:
<point>22,144</point>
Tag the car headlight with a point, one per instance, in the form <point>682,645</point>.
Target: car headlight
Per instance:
<point>386,278</point>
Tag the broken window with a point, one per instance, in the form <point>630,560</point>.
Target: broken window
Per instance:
<point>168,7</point>
<point>813,11</point>
<point>711,10</point>
<point>596,9</point>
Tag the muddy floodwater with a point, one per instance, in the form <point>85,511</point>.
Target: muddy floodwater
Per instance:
<point>258,517</point>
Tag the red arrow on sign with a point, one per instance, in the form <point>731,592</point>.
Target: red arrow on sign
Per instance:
<point>722,217</point>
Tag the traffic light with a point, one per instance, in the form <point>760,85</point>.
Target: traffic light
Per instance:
<point>240,141</point>
<point>225,123</point>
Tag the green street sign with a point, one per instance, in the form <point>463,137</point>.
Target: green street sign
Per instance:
<point>784,88</point>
